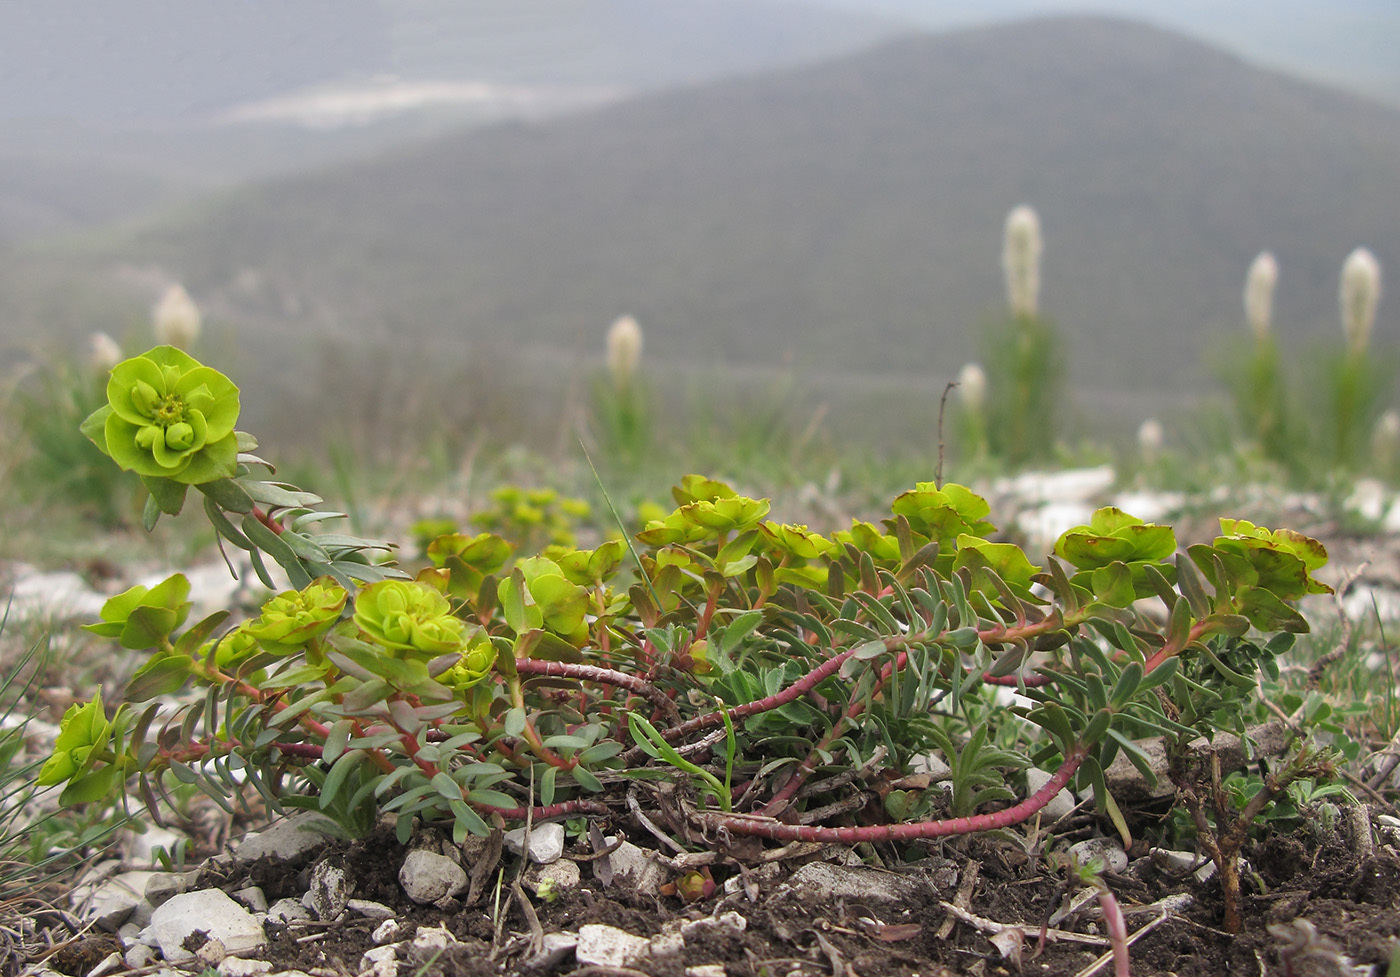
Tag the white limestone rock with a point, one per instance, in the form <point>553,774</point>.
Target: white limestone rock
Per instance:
<point>428,878</point>
<point>607,946</point>
<point>546,842</point>
<point>209,911</point>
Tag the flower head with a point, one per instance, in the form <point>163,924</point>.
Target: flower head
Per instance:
<point>1150,436</point>
<point>476,662</point>
<point>972,386</point>
<point>407,615</point>
<point>295,617</point>
<point>1359,295</point>
<point>176,319</point>
<point>168,416</point>
<point>103,353</point>
<point>1259,294</point>
<point>624,350</point>
<point>1020,261</point>
<point>83,731</point>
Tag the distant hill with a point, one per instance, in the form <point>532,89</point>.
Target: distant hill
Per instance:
<point>842,219</point>
<point>108,110</point>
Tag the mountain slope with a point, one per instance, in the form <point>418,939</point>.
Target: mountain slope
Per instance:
<point>842,218</point>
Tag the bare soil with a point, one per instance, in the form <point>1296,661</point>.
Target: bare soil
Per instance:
<point>1311,906</point>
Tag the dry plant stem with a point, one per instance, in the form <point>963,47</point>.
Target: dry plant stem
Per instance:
<point>749,824</point>
<point>1223,846</point>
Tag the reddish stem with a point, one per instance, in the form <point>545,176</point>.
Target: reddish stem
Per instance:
<point>1016,681</point>
<point>267,520</point>
<point>596,673</point>
<point>1117,931</point>
<point>748,824</point>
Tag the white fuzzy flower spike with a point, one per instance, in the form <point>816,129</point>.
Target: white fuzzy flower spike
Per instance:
<point>1359,296</point>
<point>176,319</point>
<point>1022,245</point>
<point>1150,437</point>
<point>1259,294</point>
<point>624,350</point>
<point>972,386</point>
<point>103,353</point>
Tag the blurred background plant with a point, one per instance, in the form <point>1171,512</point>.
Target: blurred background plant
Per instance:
<point>1256,384</point>
<point>1024,361</point>
<point>1358,380</point>
<point>52,465</point>
<point>620,400</point>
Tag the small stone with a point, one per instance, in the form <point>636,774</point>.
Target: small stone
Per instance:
<point>1109,853</point>
<point>557,878</point>
<point>110,903</point>
<point>819,882</point>
<point>288,911</point>
<point>288,840</point>
<point>381,961</point>
<point>428,877</point>
<point>607,946</point>
<point>1061,805</point>
<point>553,950</point>
<point>330,889</point>
<point>433,938</point>
<point>211,912</point>
<point>238,967</point>
<point>667,943</point>
<point>108,964</point>
<point>388,931</point>
<point>368,909</point>
<point>706,970</point>
<point>726,922</point>
<point>252,898</point>
<point>162,885</point>
<point>631,866</point>
<point>211,953</point>
<point>139,956</point>
<point>546,842</point>
<point>1175,861</point>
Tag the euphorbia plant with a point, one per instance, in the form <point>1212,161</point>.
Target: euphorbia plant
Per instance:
<point>496,684</point>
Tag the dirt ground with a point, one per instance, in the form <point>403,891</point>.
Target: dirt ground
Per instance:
<point>1311,907</point>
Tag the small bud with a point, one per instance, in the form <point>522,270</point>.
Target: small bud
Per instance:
<point>624,350</point>
<point>103,353</point>
<point>1020,261</point>
<point>1150,437</point>
<point>1360,294</point>
<point>1259,294</point>
<point>176,319</point>
<point>972,386</point>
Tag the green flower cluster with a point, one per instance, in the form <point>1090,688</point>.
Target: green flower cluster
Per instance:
<point>168,416</point>
<point>408,615</point>
<point>295,617</point>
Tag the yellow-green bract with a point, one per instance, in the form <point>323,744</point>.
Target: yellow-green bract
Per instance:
<point>406,615</point>
<point>168,416</point>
